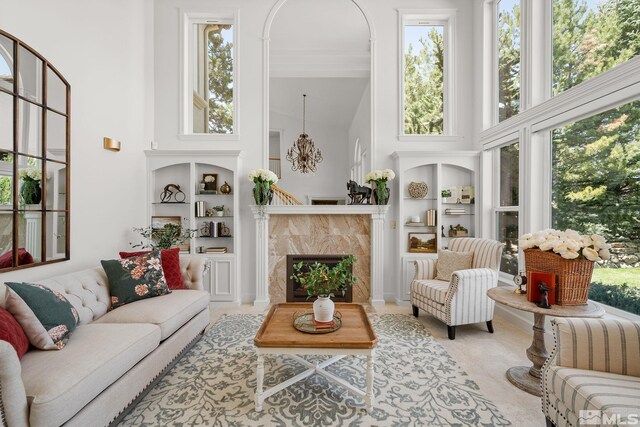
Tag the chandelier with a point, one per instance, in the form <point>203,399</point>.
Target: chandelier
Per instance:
<point>303,155</point>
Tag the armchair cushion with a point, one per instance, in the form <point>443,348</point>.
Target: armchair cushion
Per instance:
<point>435,290</point>
<point>581,389</point>
<point>449,261</point>
<point>605,345</point>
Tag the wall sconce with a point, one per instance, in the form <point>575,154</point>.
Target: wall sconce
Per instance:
<point>111,144</point>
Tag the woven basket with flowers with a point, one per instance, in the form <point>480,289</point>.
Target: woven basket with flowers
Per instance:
<point>569,255</point>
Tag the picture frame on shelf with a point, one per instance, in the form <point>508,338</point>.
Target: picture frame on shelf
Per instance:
<point>423,243</point>
<point>210,181</point>
<point>159,222</point>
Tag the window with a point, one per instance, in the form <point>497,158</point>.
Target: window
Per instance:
<point>590,37</point>
<point>426,65</point>
<point>210,86</point>
<point>508,58</point>
<point>596,189</point>
<point>508,206</point>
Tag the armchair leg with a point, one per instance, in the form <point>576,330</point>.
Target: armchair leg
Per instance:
<point>549,422</point>
<point>490,326</point>
<point>451,330</point>
<point>415,311</point>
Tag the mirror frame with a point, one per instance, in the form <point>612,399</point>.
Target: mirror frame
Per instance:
<point>42,156</point>
<point>266,82</point>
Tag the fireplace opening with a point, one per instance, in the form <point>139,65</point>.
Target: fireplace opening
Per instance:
<point>295,292</point>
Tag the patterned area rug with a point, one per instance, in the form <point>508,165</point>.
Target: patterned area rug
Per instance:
<point>416,383</point>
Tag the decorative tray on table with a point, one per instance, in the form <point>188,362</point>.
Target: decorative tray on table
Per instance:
<point>304,322</point>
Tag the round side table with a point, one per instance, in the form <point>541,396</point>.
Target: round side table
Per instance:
<point>528,378</point>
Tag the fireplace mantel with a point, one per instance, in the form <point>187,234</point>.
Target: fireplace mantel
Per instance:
<point>262,213</point>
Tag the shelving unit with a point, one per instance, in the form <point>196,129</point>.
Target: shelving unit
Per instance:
<point>440,170</point>
<point>186,169</point>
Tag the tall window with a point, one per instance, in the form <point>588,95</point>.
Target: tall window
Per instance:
<point>424,81</point>
<point>508,206</point>
<point>508,58</point>
<point>592,36</point>
<point>596,189</point>
<point>213,97</point>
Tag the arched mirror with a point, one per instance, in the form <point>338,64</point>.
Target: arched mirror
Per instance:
<point>34,158</point>
<point>321,50</point>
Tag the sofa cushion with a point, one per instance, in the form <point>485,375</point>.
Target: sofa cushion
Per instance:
<point>12,332</point>
<point>449,261</point>
<point>45,315</point>
<point>169,312</point>
<point>135,278</point>
<point>170,266</point>
<point>435,290</point>
<point>59,384</point>
<point>581,389</point>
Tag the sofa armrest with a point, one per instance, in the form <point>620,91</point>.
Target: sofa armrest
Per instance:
<point>425,269</point>
<point>605,345</point>
<point>192,269</point>
<point>467,299</point>
<point>13,399</point>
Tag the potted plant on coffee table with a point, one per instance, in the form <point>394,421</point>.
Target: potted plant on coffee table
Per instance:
<point>324,282</point>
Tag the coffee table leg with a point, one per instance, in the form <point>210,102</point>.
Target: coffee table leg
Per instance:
<point>260,375</point>
<point>369,396</point>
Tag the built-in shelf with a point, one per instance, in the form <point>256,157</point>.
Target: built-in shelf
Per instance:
<point>458,214</point>
<point>213,194</point>
<point>459,204</point>
<point>422,200</point>
<point>170,203</point>
<point>217,216</point>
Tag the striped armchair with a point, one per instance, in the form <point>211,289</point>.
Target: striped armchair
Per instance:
<point>593,373</point>
<point>464,299</point>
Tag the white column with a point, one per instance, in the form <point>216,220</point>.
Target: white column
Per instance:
<point>377,255</point>
<point>262,256</point>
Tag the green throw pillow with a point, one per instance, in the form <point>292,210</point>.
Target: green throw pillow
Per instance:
<point>135,278</point>
<point>44,314</point>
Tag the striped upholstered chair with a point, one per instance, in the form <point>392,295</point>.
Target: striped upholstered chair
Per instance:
<point>463,299</point>
<point>594,367</point>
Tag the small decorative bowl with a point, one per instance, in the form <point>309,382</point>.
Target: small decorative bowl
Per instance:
<point>418,189</point>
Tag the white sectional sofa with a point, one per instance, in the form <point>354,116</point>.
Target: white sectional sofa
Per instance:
<point>111,357</point>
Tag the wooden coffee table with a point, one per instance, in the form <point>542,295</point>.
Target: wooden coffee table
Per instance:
<point>278,336</point>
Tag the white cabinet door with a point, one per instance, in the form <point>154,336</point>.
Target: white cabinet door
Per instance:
<point>219,279</point>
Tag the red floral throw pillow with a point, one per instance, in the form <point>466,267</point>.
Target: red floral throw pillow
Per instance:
<point>170,266</point>
<point>12,332</point>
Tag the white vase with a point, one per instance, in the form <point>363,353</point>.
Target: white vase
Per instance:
<point>323,309</point>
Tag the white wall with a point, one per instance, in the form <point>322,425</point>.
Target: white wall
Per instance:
<point>333,173</point>
<point>99,47</point>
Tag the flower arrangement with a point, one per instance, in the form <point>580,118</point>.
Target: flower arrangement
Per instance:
<point>263,175</point>
<point>380,178</point>
<point>169,236</point>
<point>382,175</point>
<point>569,244</point>
<point>30,174</point>
<point>209,178</point>
<point>320,280</point>
<point>263,180</point>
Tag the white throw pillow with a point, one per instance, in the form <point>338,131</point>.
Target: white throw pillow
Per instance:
<point>449,261</point>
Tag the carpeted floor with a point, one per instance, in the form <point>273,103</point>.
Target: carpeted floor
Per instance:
<point>416,383</point>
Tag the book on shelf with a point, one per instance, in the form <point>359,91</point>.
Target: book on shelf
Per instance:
<point>454,211</point>
<point>216,250</point>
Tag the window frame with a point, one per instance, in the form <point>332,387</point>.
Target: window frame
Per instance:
<point>447,18</point>
<point>187,65</point>
<point>496,208</point>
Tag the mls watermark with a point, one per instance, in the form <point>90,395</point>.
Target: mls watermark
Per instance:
<point>599,418</point>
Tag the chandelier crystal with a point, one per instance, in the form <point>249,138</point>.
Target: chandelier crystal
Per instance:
<point>304,156</point>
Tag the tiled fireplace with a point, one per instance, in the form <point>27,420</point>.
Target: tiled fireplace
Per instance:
<point>319,230</point>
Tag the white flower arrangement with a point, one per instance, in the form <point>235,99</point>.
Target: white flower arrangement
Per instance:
<point>263,175</point>
<point>209,178</point>
<point>569,244</point>
<point>32,173</point>
<point>380,175</point>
